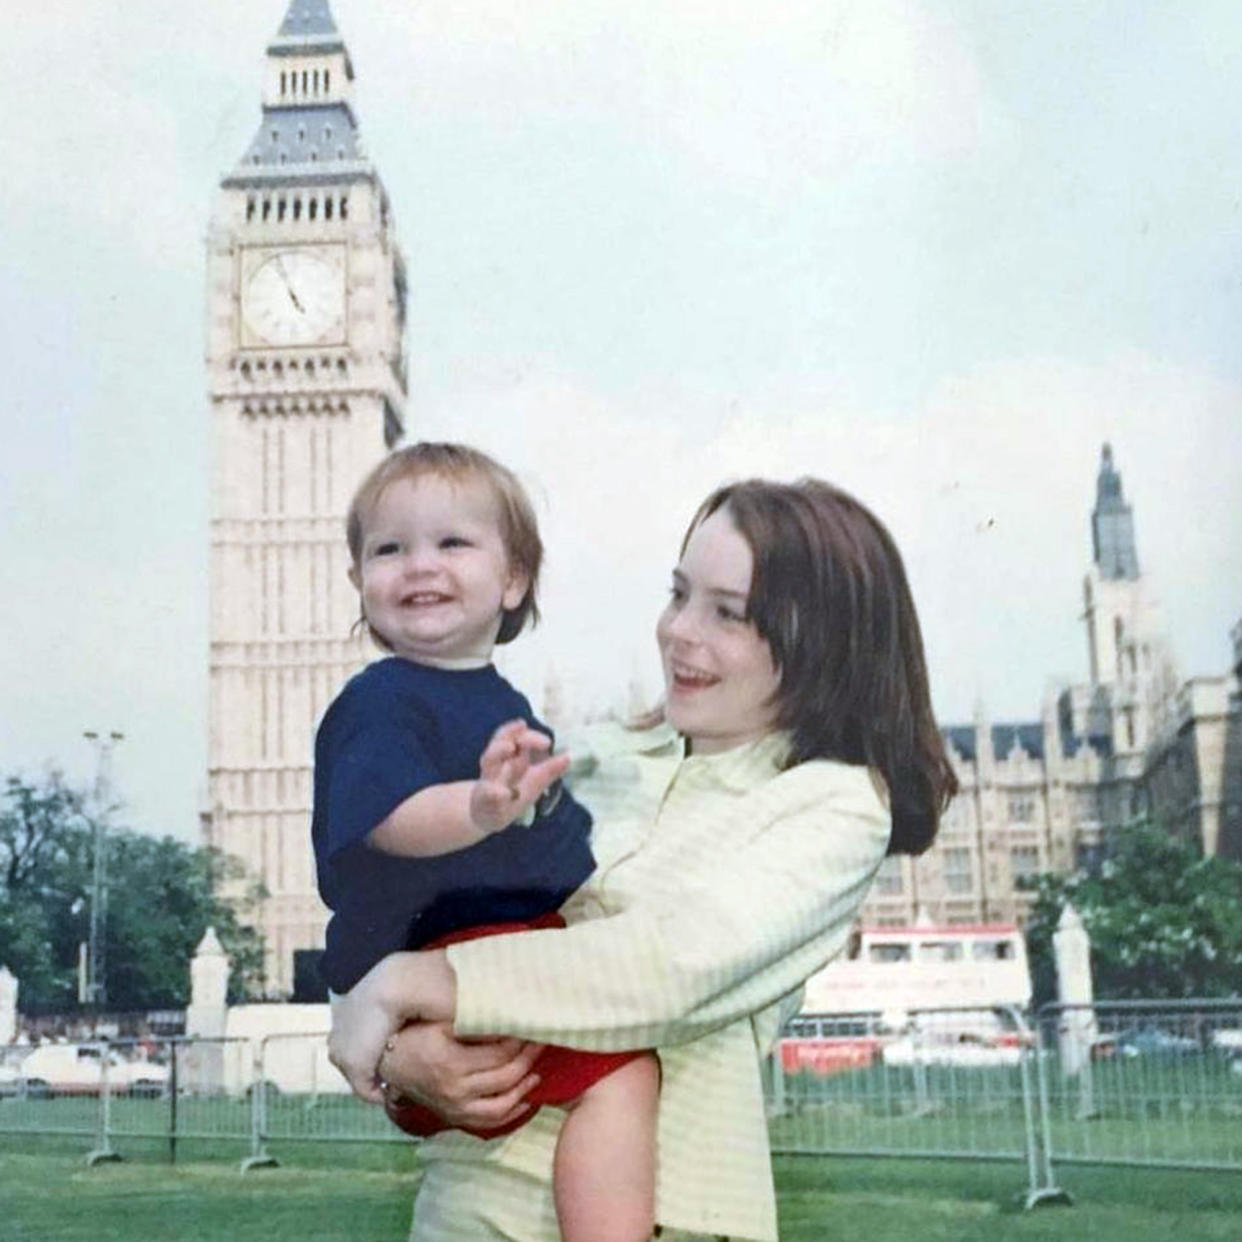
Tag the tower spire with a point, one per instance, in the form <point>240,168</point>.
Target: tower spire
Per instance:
<point>1112,524</point>
<point>307,19</point>
<point>308,117</point>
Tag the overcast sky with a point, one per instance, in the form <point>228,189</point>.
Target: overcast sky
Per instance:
<point>934,252</point>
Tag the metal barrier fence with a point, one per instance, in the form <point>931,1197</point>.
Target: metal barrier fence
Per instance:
<point>952,1082</point>
<point>1144,1082</point>
<point>1155,1083</point>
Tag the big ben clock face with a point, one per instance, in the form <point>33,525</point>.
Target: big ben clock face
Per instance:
<point>293,296</point>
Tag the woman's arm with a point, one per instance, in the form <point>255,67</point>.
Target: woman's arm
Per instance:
<point>748,927</point>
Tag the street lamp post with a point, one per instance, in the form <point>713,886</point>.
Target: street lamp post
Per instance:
<point>96,990</point>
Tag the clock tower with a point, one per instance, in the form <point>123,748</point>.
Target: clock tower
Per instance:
<point>306,294</point>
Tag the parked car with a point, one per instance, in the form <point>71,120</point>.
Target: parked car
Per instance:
<point>965,1050</point>
<point>1228,1039</point>
<point>78,1069</point>
<point>1143,1041</point>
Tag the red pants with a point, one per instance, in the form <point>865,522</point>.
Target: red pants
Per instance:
<point>564,1073</point>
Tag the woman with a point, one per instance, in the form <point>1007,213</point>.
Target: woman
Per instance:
<point>800,747</point>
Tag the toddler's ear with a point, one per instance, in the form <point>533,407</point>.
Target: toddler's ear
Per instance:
<point>515,590</point>
<point>355,577</point>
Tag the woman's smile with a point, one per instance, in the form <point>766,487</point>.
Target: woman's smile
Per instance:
<point>720,680</point>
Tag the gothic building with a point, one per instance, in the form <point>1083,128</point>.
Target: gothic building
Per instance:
<point>1043,795</point>
<point>306,292</point>
<point>1193,773</point>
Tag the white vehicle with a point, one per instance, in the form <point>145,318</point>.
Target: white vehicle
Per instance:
<point>967,1051</point>
<point>925,966</point>
<point>78,1069</point>
<point>921,994</point>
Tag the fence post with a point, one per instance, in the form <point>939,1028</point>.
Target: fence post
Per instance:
<point>102,1153</point>
<point>1042,1190</point>
<point>260,1157</point>
<point>776,1081</point>
<point>174,1046</point>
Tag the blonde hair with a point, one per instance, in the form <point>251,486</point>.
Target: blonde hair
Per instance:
<point>519,530</point>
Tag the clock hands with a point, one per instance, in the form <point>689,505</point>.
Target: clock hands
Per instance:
<point>293,297</point>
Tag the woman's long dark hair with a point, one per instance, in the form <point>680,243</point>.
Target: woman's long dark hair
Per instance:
<point>830,596</point>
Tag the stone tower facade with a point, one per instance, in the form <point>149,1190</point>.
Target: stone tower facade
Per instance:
<point>1132,678</point>
<point>306,294</point>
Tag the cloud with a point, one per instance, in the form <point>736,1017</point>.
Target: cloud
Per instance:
<point>764,97</point>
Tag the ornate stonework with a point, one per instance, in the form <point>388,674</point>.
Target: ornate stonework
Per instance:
<point>306,382</point>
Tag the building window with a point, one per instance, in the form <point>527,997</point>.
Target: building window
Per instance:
<point>957,871</point>
<point>889,953</point>
<point>1021,808</point>
<point>1089,857</point>
<point>327,208</point>
<point>1024,862</point>
<point>344,207</point>
<point>282,83</point>
<point>313,206</point>
<point>297,208</point>
<point>888,879</point>
<point>250,209</point>
<point>940,951</point>
<point>327,77</point>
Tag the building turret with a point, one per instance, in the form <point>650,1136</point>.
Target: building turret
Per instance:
<point>1112,524</point>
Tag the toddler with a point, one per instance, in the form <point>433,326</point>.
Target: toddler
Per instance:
<point>435,816</point>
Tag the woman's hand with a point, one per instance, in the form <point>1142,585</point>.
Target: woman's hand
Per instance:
<point>479,1084</point>
<point>401,988</point>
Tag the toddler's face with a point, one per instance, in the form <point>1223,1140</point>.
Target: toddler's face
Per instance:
<point>434,574</point>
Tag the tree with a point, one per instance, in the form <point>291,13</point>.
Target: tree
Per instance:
<point>1164,921</point>
<point>162,898</point>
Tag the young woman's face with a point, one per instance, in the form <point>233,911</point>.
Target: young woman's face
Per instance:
<point>720,681</point>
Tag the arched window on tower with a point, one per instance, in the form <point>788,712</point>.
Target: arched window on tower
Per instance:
<point>327,78</point>
<point>312,207</point>
<point>250,208</point>
<point>315,81</point>
<point>327,207</point>
<point>267,208</point>
<point>297,208</point>
<point>344,207</point>
<point>283,76</point>
<point>280,209</point>
<point>303,81</point>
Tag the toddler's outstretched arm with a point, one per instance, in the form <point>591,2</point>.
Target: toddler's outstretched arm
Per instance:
<point>451,816</point>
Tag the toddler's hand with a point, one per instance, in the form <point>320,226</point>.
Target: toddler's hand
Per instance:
<point>512,776</point>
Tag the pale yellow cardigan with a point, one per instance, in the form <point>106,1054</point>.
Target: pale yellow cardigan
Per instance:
<point>722,884</point>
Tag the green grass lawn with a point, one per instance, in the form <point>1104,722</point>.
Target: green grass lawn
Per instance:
<point>362,1192</point>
